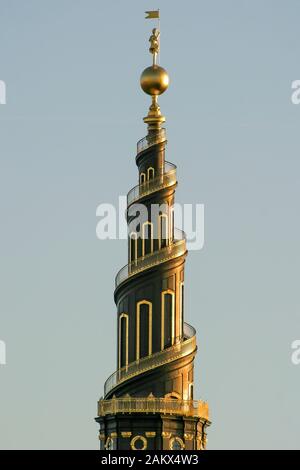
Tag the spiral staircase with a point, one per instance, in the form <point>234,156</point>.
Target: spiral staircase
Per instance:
<point>148,402</point>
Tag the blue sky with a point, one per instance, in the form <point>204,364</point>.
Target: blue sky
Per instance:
<point>67,143</point>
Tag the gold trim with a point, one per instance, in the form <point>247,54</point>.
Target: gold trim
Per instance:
<point>136,438</point>
<point>193,408</point>
<point>167,291</point>
<point>126,434</point>
<point>178,350</point>
<point>188,436</point>
<point>160,217</point>
<point>181,309</point>
<point>150,434</point>
<point>163,180</point>
<point>173,395</point>
<point>113,435</point>
<point>123,315</point>
<point>191,390</point>
<point>174,439</point>
<point>165,434</point>
<point>108,440</point>
<point>138,314</point>
<point>144,178</point>
<point>133,236</point>
<point>175,250</point>
<point>171,225</point>
<point>143,237</point>
<point>148,171</point>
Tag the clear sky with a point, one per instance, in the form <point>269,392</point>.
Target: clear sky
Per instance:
<point>67,143</point>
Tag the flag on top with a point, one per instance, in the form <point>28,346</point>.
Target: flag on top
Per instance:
<point>152,14</point>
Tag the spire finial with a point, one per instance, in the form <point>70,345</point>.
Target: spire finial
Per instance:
<point>154,79</point>
<point>154,44</point>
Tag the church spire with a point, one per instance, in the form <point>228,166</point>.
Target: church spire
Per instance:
<point>154,81</point>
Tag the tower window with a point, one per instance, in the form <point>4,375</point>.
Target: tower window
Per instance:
<point>176,443</point>
<point>147,246</point>
<point>167,319</point>
<point>181,316</point>
<point>191,391</point>
<point>142,178</point>
<point>123,339</point>
<point>133,247</point>
<point>138,443</point>
<point>172,223</point>
<point>143,329</point>
<point>163,230</point>
<point>150,173</point>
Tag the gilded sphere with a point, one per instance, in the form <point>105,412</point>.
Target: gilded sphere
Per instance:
<point>154,80</point>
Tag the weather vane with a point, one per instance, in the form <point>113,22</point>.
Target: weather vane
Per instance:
<point>154,79</point>
<point>154,38</point>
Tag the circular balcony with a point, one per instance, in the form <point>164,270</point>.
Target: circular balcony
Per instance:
<point>182,347</point>
<point>151,139</point>
<point>195,408</point>
<point>175,249</point>
<point>161,181</point>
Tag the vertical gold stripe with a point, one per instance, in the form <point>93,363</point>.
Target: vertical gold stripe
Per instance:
<point>163,294</point>
<point>133,236</point>
<point>160,217</point>
<point>137,356</point>
<point>138,336</point>
<point>148,172</point>
<point>123,315</point>
<point>151,237</point>
<point>142,178</point>
<point>181,287</point>
<point>171,224</point>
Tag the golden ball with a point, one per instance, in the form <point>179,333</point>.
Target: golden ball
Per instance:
<point>154,80</point>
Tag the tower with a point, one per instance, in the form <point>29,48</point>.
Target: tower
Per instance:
<point>148,401</point>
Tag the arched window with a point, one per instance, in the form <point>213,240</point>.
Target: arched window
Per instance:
<point>123,339</point>
<point>181,306</point>
<point>143,329</point>
<point>176,443</point>
<point>150,173</point>
<point>142,178</point>
<point>191,391</point>
<point>172,223</point>
<point>133,247</point>
<point>147,234</point>
<point>163,239</point>
<point>167,318</point>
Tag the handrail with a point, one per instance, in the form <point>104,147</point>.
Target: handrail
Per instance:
<point>175,249</point>
<point>164,179</point>
<point>181,348</point>
<point>151,139</point>
<point>151,404</point>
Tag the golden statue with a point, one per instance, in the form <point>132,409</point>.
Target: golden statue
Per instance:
<point>154,43</point>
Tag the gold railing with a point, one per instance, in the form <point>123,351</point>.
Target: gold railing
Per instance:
<point>182,348</point>
<point>197,408</point>
<point>163,180</point>
<point>175,249</point>
<point>151,139</point>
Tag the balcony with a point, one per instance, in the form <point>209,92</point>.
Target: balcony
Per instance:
<point>176,248</point>
<point>163,180</point>
<point>195,408</point>
<point>150,140</point>
<point>181,348</point>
